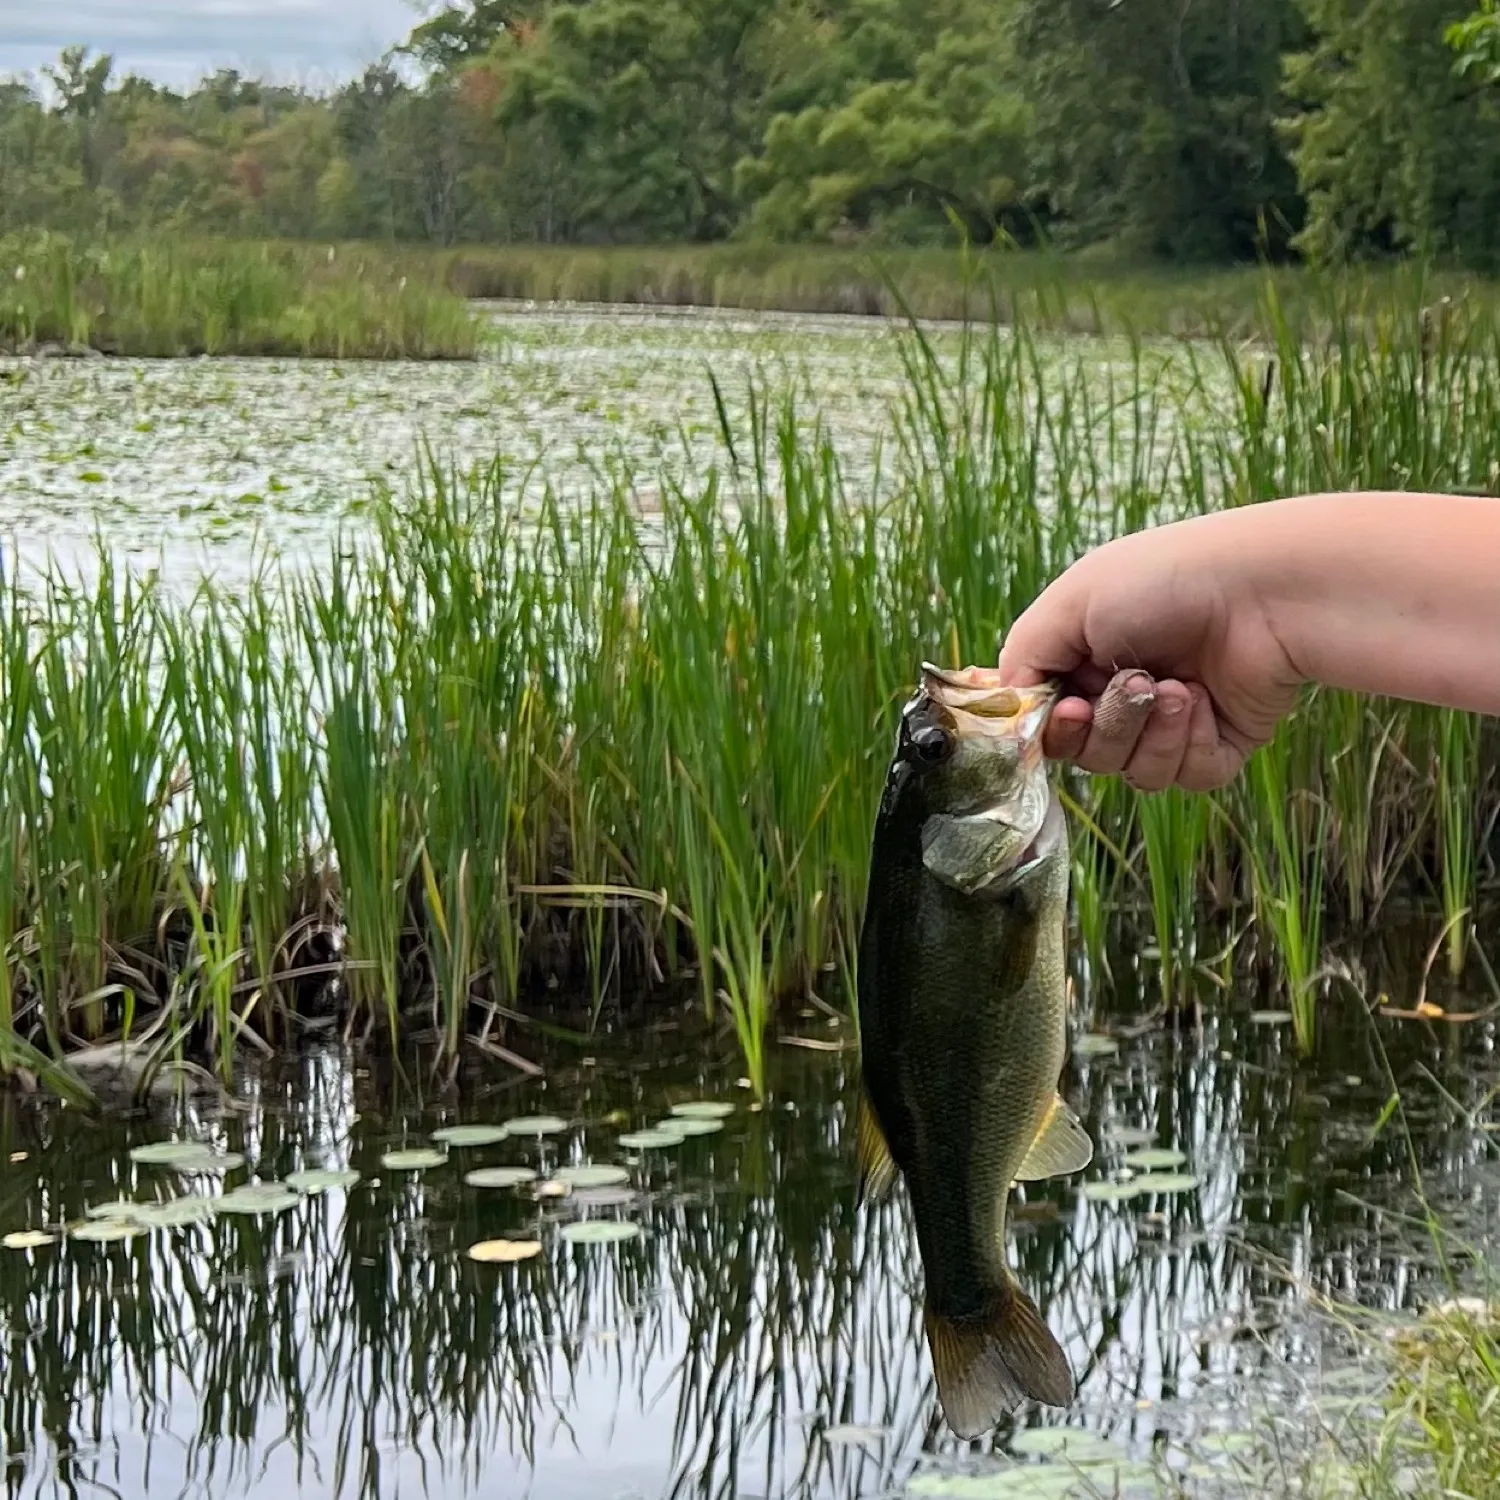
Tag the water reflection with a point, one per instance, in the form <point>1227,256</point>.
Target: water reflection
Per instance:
<point>350,1348</point>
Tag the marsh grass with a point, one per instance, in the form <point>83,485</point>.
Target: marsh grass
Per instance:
<point>169,297</point>
<point>504,748</point>
<point>1091,293</point>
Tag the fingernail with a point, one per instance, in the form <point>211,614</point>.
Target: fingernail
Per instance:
<point>1172,705</point>
<point>1139,684</point>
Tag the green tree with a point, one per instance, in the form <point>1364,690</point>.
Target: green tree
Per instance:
<point>1155,121</point>
<point>1394,149</point>
<point>946,131</point>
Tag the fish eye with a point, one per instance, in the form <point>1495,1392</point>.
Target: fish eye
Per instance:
<point>931,742</point>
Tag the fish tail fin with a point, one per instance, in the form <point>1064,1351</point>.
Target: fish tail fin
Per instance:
<point>988,1364</point>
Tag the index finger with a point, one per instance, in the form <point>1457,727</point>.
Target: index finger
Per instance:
<point>1045,640</point>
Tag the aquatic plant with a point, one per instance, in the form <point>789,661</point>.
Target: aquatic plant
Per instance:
<point>511,746</point>
<point>168,296</point>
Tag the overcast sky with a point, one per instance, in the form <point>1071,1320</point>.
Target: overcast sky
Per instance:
<point>177,41</point>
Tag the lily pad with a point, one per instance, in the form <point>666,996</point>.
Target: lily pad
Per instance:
<point>552,1188</point>
<point>317,1180</point>
<point>471,1135</point>
<point>186,1156</point>
<point>120,1208</point>
<point>1019,1482</point>
<point>703,1109</point>
<point>1071,1443</point>
<point>163,1153</point>
<point>1129,1135</point>
<point>1223,1444</point>
<point>1164,1182</point>
<point>1127,1479</point>
<point>1154,1157</point>
<point>535,1125</point>
<point>682,1125</point>
<point>652,1140</point>
<point>105,1231</point>
<point>258,1198</point>
<point>599,1231</point>
<point>499,1177</point>
<point>415,1160</point>
<point>1104,1191</point>
<point>1095,1044</point>
<point>176,1213</point>
<point>504,1252</point>
<point>1270,1017</point>
<point>592,1176</point>
<point>28,1239</point>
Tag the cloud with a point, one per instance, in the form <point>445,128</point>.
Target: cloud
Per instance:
<point>177,41</point>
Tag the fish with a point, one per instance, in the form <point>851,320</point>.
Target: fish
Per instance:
<point>962,1013</point>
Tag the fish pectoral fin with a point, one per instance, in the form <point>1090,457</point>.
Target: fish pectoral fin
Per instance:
<point>1062,1146</point>
<point>985,1366</point>
<point>877,1168</point>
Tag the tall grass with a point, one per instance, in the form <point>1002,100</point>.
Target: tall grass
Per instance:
<point>1079,294</point>
<point>167,297</point>
<point>505,748</point>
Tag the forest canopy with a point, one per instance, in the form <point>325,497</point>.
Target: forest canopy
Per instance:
<point>1330,129</point>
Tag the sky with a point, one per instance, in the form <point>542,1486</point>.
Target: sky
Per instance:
<point>177,41</point>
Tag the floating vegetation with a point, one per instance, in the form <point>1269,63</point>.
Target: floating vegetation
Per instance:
<point>176,1213</point>
<point>119,1208</point>
<point>1071,1443</point>
<point>1106,1190</point>
<point>1164,1182</point>
<point>28,1239</point>
<point>504,1252</point>
<point>1095,1045</point>
<point>471,1135</point>
<point>702,1109</point>
<point>104,1231</point>
<point>416,1159</point>
<point>687,1125</point>
<point>592,1176</point>
<point>258,1198</point>
<point>599,1231</point>
<point>499,1177</point>
<point>1153,1157</point>
<point>537,1125</point>
<point>315,1180</point>
<point>651,1140</point>
<point>186,1156</point>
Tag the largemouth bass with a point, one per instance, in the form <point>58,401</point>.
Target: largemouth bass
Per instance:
<point>962,1015</point>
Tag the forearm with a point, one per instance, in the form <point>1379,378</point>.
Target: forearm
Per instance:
<point>1389,593</point>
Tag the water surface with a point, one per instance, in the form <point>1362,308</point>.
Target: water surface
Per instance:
<point>759,1336</point>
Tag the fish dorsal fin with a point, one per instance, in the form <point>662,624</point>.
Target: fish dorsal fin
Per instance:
<point>877,1169</point>
<point>1062,1146</point>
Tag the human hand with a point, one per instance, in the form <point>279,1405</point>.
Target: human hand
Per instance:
<point>1178,602</point>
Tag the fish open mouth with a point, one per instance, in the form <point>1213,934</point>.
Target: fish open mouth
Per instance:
<point>983,704</point>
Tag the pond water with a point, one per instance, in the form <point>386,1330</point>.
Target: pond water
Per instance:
<point>189,463</point>
<point>756,1335</point>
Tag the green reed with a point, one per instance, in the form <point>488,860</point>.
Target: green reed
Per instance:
<point>505,744</point>
<point>166,296</point>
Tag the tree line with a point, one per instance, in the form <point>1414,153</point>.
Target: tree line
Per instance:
<point>1188,129</point>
